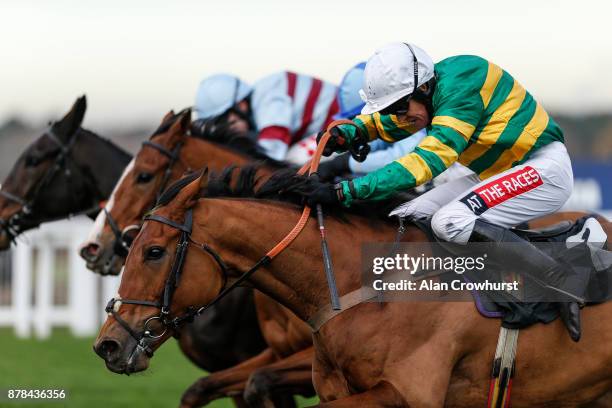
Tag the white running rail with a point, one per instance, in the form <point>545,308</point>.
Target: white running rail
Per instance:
<point>44,283</point>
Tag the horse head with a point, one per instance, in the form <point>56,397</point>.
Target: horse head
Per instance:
<point>151,299</point>
<point>157,163</point>
<point>48,181</point>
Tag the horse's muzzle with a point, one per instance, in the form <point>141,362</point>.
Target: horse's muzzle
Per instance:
<point>122,356</point>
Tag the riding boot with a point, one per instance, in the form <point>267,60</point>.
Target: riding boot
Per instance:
<point>538,266</point>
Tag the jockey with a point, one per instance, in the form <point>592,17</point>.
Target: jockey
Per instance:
<point>281,108</point>
<point>478,115</point>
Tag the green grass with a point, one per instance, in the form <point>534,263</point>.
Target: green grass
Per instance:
<point>65,362</point>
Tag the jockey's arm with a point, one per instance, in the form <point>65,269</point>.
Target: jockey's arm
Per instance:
<point>436,152</point>
<point>376,126</point>
<point>272,112</point>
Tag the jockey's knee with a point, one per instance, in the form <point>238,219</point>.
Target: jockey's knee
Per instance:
<point>417,209</point>
<point>453,223</point>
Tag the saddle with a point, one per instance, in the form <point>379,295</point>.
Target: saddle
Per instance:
<point>584,243</point>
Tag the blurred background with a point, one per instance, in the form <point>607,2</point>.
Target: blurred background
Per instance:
<point>136,60</point>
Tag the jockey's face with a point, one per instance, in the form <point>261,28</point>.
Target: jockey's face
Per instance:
<point>238,124</point>
<point>416,115</point>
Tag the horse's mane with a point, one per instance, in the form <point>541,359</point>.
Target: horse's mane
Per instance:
<point>243,182</point>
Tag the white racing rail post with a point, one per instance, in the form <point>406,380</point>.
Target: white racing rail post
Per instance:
<point>22,289</point>
<point>44,289</point>
<point>83,300</point>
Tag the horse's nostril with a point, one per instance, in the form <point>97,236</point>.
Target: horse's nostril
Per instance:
<point>108,349</point>
<point>90,252</point>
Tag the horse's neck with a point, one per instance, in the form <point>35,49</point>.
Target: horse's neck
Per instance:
<point>198,153</point>
<point>103,160</point>
<point>244,230</point>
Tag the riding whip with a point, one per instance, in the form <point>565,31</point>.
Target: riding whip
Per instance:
<point>327,265</point>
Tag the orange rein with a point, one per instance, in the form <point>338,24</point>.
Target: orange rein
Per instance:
<point>312,165</point>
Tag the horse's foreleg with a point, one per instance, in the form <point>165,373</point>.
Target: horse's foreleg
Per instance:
<point>382,395</point>
<point>291,375</point>
<point>224,383</point>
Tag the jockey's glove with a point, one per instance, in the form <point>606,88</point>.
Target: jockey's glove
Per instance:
<point>336,167</point>
<point>315,192</point>
<point>341,139</point>
<point>198,126</point>
<point>325,194</point>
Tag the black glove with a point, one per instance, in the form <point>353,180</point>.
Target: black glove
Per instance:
<point>198,127</point>
<point>338,166</point>
<point>315,192</point>
<point>336,142</point>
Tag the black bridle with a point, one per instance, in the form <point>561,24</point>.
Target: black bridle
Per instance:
<point>123,241</point>
<point>12,226</point>
<point>144,338</point>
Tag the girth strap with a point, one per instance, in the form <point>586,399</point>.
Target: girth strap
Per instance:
<point>347,301</point>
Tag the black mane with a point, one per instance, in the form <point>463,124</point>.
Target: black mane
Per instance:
<point>243,182</point>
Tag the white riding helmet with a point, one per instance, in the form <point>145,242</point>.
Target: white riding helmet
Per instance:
<point>218,93</point>
<point>394,71</point>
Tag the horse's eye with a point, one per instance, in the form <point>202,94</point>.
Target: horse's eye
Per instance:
<point>143,178</point>
<point>154,253</point>
<point>32,161</point>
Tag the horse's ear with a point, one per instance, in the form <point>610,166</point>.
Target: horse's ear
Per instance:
<point>167,117</point>
<point>189,195</point>
<point>69,124</point>
<point>185,119</point>
<point>204,179</point>
<point>180,128</point>
<point>182,123</point>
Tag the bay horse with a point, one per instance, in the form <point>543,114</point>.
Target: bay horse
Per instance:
<point>67,171</point>
<point>421,354</point>
<point>230,334</point>
<point>169,153</point>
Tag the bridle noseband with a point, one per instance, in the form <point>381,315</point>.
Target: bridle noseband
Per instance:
<point>122,240</point>
<point>164,318</point>
<point>11,226</point>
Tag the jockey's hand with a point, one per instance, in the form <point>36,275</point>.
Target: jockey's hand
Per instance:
<point>316,192</point>
<point>325,194</point>
<point>336,167</point>
<point>198,126</point>
<point>337,142</point>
